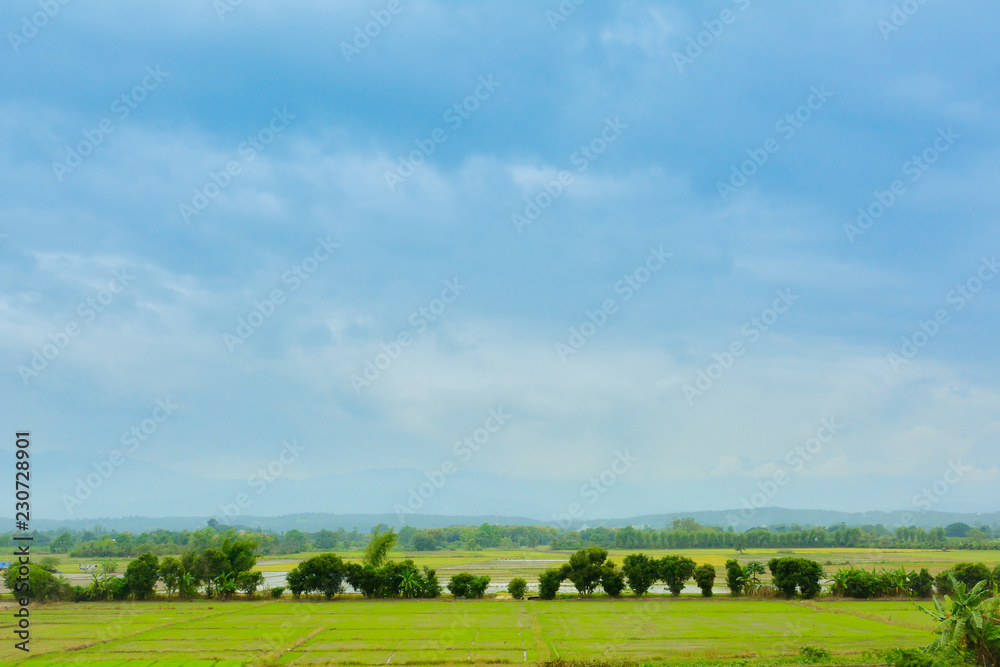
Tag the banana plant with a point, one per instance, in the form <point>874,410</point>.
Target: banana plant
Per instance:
<point>968,621</point>
<point>410,584</point>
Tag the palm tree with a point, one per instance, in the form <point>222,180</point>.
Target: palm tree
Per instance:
<point>754,569</point>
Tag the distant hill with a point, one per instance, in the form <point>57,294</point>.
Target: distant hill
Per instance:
<point>315,521</point>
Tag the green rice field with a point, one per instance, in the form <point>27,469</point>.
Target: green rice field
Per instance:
<point>447,632</point>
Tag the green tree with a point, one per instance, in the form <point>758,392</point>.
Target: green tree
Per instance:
<point>294,542</point>
<point>249,581</point>
<point>171,572</point>
<point>323,574</point>
<point>675,570</point>
<point>141,576</point>
<point>612,580</point>
<point>40,584</point>
<point>585,569</point>
<point>704,576</point>
<point>517,588</point>
<point>326,540</point>
<point>971,574</point>
<point>641,571</point>
<point>735,577</point>
<point>790,574</point>
<point>465,585</point>
<point>920,584</point>
<point>549,582</point>
<point>752,572</point>
<point>381,543</point>
<point>62,544</point>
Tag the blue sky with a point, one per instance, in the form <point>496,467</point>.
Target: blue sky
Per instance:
<point>636,127</point>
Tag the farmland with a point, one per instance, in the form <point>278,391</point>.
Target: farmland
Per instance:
<point>353,631</point>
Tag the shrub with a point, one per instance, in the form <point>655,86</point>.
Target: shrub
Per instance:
<point>277,591</point>
<point>920,585</point>
<point>549,583</point>
<point>517,588</point>
<point>469,586</point>
<point>813,654</point>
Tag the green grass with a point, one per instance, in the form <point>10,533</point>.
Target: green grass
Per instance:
<point>354,631</point>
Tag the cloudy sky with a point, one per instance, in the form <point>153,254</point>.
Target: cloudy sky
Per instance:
<point>500,257</point>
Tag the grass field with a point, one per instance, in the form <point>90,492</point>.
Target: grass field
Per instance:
<point>440,632</point>
<point>690,629</point>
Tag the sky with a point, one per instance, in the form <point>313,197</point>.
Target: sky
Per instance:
<point>558,260</point>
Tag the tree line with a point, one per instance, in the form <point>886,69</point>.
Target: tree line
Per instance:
<point>683,533</point>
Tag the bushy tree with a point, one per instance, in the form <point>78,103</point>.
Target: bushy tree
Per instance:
<point>802,574</point>
<point>641,571</point>
<point>612,580</point>
<point>585,569</point>
<point>971,574</point>
<point>675,570</point>
<point>704,576</point>
<point>469,586</point>
<point>141,576</point>
<point>249,581</point>
<point>171,572</point>
<point>735,577</point>
<point>321,574</point>
<point>549,583</point>
<point>517,588</point>
<point>41,584</point>
<point>920,585</point>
